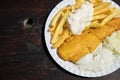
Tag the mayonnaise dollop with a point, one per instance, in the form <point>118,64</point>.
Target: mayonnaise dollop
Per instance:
<point>80,18</point>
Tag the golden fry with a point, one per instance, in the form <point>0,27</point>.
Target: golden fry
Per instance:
<point>66,8</point>
<point>100,0</point>
<point>97,3</point>
<point>63,37</point>
<point>102,6</point>
<point>95,24</point>
<point>101,16</point>
<point>69,8</point>
<point>96,21</point>
<point>101,11</point>
<point>92,1</point>
<point>60,27</point>
<point>78,4</point>
<point>108,18</point>
<point>112,9</point>
<point>55,39</point>
<point>80,1</point>
<point>52,33</point>
<point>54,21</point>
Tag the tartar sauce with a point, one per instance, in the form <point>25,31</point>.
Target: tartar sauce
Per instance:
<point>80,18</point>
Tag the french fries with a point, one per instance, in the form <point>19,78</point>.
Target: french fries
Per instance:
<point>92,1</point>
<point>102,6</point>
<point>97,17</point>
<point>112,9</point>
<point>64,36</point>
<point>97,3</point>
<point>59,27</point>
<point>78,4</point>
<point>101,11</point>
<point>54,21</point>
<point>95,24</point>
<point>108,18</point>
<point>57,32</point>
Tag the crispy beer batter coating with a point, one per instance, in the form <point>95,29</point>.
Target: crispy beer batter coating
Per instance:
<point>77,46</point>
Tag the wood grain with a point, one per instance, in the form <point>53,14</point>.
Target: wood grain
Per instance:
<point>23,53</point>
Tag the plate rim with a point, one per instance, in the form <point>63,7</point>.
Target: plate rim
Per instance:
<point>48,45</point>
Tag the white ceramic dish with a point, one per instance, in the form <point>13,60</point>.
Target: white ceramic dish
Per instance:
<point>70,67</point>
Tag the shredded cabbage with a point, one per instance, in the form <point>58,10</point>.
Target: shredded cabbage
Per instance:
<point>113,42</point>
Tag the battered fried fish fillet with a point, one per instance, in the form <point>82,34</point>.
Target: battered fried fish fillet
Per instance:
<point>77,46</point>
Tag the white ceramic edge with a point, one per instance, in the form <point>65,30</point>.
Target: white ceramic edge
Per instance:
<point>66,64</point>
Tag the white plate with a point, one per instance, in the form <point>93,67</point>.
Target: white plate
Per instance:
<point>70,67</point>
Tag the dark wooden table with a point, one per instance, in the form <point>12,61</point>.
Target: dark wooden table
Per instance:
<point>23,54</point>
